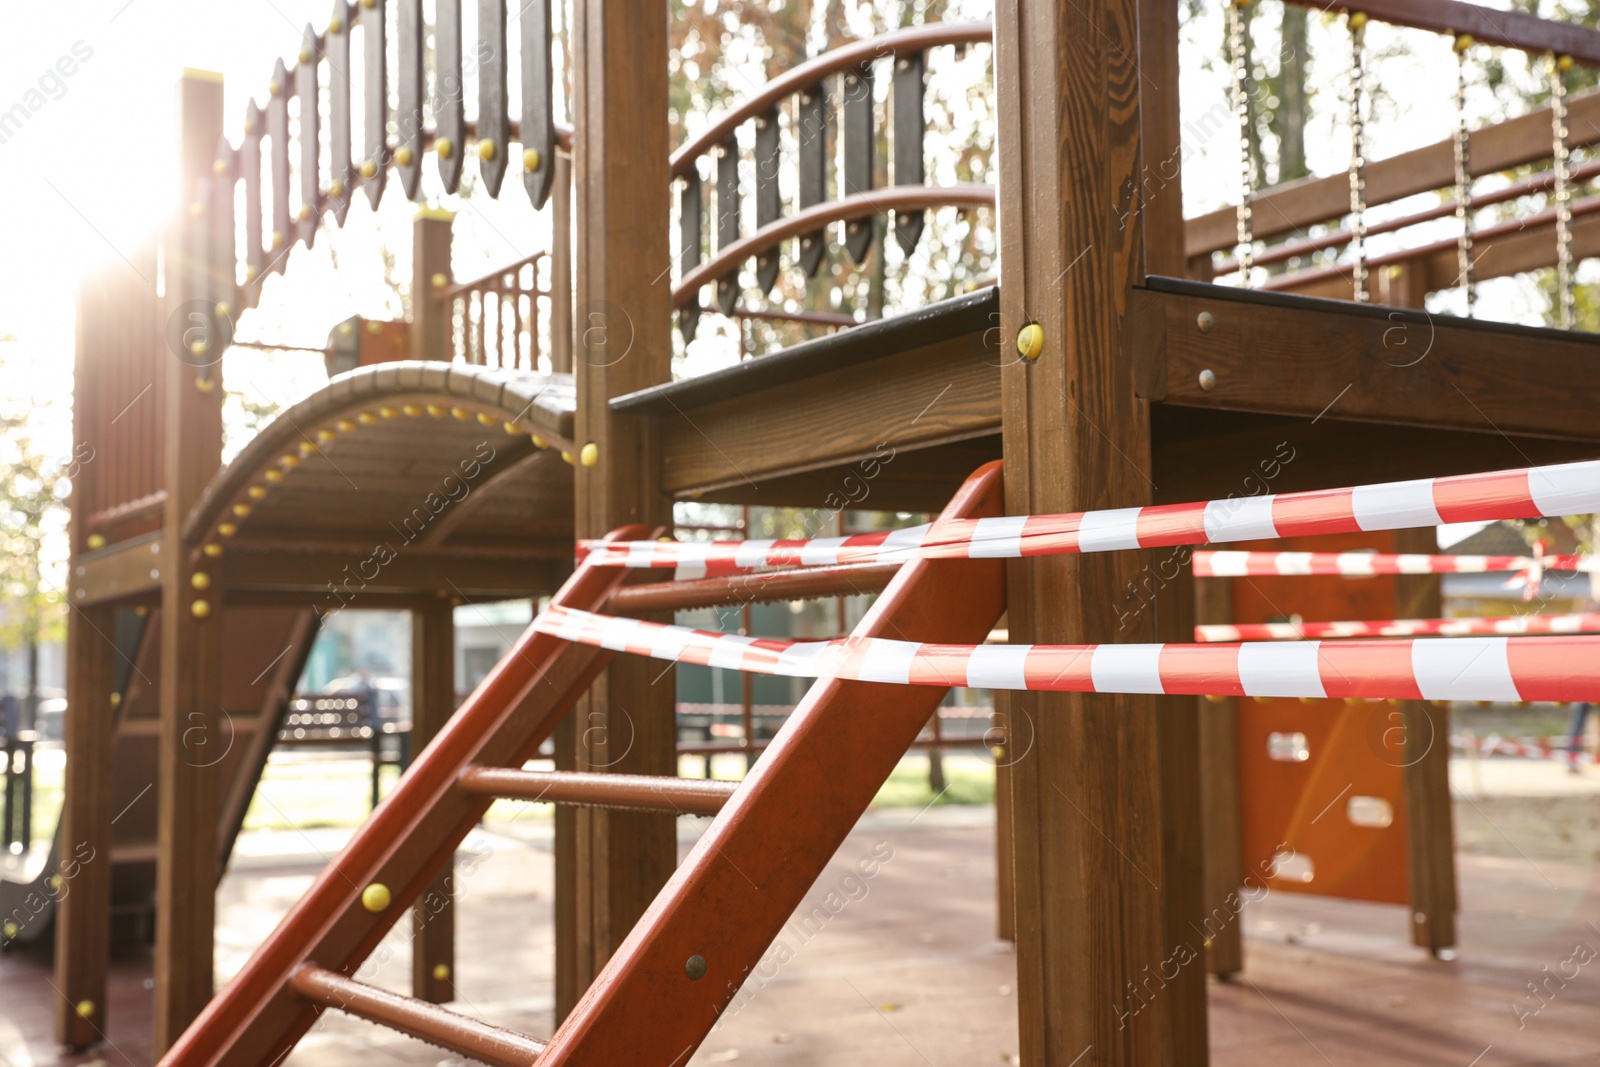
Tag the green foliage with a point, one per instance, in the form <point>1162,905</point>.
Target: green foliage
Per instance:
<point>33,511</point>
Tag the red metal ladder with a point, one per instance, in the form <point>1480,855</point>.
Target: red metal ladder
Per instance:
<point>658,997</point>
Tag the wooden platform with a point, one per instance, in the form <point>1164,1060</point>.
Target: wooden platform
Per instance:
<point>907,970</point>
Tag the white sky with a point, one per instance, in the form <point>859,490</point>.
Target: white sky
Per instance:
<point>88,174</point>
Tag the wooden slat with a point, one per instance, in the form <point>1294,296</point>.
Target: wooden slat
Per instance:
<point>126,569</point>
<point>433,681</point>
<point>1376,364</point>
<point>538,130</point>
<point>768,204</point>
<point>860,152</point>
<point>250,169</point>
<point>224,238</point>
<point>1288,209</point>
<point>620,88</point>
<point>494,103</point>
<point>1219,800</point>
<point>290,569</point>
<point>909,85</point>
<point>690,251</point>
<point>1106,805</point>
<point>282,232</point>
<point>305,73</point>
<point>410,30</point>
<point>727,227</point>
<point>449,93</point>
<point>341,171</point>
<point>375,70</point>
<point>811,130</point>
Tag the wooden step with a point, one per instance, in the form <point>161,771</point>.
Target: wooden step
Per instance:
<point>680,796</point>
<point>427,1022</point>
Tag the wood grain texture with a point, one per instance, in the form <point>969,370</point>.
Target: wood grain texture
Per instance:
<point>1107,890</point>
<point>626,723</point>
<point>1429,807</point>
<point>433,681</point>
<point>1219,800</point>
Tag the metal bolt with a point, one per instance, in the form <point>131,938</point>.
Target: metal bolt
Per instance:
<point>1205,321</point>
<point>1208,380</point>
<point>695,967</point>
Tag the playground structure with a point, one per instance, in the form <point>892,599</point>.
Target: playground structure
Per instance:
<point>1105,372</point>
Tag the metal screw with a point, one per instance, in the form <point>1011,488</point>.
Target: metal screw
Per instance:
<point>1208,380</point>
<point>695,967</point>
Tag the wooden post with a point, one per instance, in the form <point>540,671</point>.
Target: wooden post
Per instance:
<point>1219,801</point>
<point>433,701</point>
<point>430,261</point>
<point>623,318</point>
<point>1430,830</point>
<point>561,266</point>
<point>1004,824</point>
<point>1106,805</point>
<point>192,741</point>
<point>83,917</point>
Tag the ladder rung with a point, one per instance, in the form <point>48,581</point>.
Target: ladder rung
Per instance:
<point>429,1022</point>
<point>681,796</point>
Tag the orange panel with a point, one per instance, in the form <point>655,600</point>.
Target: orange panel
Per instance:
<point>1350,750</point>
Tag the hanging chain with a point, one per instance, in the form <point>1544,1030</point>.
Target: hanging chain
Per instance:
<point>1464,257</point>
<point>1358,162</point>
<point>1563,188</point>
<point>1237,19</point>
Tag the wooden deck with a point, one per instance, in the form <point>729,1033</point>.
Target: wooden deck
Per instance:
<point>907,969</point>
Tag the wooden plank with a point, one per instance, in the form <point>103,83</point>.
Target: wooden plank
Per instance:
<point>1107,804</point>
<point>190,679</point>
<point>561,339</point>
<point>375,127</point>
<point>1429,807</point>
<point>449,93</point>
<point>538,128</point>
<point>768,205</point>
<point>1219,802</point>
<point>433,683</point>
<point>341,171</point>
<point>411,30</point>
<point>223,254</point>
<point>942,392</point>
<point>278,239</point>
<point>1490,26</point>
<point>1004,821</point>
<point>125,569</point>
<point>909,85</point>
<point>690,250</point>
<point>727,228</point>
<point>305,73</point>
<point>1288,209</point>
<point>494,103</point>
<point>338,577</point>
<point>859,172</point>
<point>429,336</point>
<point>1376,364</point>
<point>1158,193</point>
<point>250,168</point>
<point>812,120</point>
<point>619,50</point>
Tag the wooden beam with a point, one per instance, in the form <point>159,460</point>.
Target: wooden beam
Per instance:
<point>1106,804</point>
<point>1290,208</point>
<point>430,336</point>
<point>1365,363</point>
<point>433,687</point>
<point>1490,26</point>
<point>188,790</point>
<point>83,918</point>
<point>623,319</point>
<point>126,569</point>
<point>1429,807</point>
<point>1219,801</point>
<point>343,579</point>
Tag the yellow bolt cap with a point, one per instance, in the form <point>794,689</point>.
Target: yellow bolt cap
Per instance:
<point>589,454</point>
<point>1030,341</point>
<point>538,442</point>
<point>460,413</point>
<point>530,159</point>
<point>256,492</point>
<point>436,410</point>
<point>441,972</point>
<point>567,458</point>
<point>84,1008</point>
<point>485,419</point>
<point>402,156</point>
<point>440,281</point>
<point>227,529</point>
<point>200,609</point>
<point>411,409</point>
<point>369,169</point>
<point>200,580</point>
<point>273,476</point>
<point>375,897</point>
<point>443,147</point>
<point>485,150</point>
<point>116,699</point>
<point>241,510</point>
<point>212,550</point>
<point>97,541</point>
<point>366,418</point>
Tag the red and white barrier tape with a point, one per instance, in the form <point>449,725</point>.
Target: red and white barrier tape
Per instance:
<point>1548,748</point>
<point>1226,564</point>
<point>1488,668</point>
<point>1534,492</point>
<point>1576,623</point>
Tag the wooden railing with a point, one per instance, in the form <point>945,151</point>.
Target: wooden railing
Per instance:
<point>1274,221</point>
<point>815,111</point>
<point>494,320</point>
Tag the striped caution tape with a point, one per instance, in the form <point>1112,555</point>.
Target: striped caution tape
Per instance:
<point>1470,668</point>
<point>1575,623</point>
<point>1230,564</point>
<point>1534,492</point>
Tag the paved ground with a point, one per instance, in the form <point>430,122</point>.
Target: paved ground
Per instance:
<point>909,971</point>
